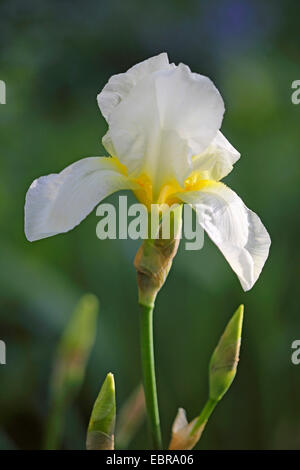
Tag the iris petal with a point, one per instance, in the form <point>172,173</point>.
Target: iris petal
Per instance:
<point>236,230</point>
<point>158,124</point>
<point>58,202</point>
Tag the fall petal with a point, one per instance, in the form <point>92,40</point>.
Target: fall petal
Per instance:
<point>236,230</point>
<point>56,203</point>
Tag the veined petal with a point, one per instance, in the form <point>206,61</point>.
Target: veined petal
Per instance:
<point>58,202</point>
<point>236,230</point>
<point>166,118</point>
<point>120,85</point>
<point>217,160</point>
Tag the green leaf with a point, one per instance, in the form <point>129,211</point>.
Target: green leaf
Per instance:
<point>100,435</point>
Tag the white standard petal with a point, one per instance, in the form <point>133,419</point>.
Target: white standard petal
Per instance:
<point>58,202</point>
<point>168,117</point>
<point>120,85</point>
<point>217,160</point>
<point>236,230</point>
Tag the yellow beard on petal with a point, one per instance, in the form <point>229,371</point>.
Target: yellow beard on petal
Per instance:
<point>122,168</point>
<point>168,191</point>
<point>165,196</point>
<point>196,181</point>
<point>144,195</point>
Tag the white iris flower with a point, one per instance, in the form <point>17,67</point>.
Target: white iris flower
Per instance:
<point>165,145</point>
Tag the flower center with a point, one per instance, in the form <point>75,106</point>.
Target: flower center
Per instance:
<point>168,191</point>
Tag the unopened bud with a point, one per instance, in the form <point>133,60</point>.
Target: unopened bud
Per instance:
<point>76,343</point>
<point>100,435</point>
<point>223,363</point>
<point>70,364</point>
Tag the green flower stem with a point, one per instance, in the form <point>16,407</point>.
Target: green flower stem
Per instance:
<point>149,374</point>
<point>205,414</point>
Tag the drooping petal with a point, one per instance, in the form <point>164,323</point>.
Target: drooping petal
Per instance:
<point>217,160</point>
<point>165,119</point>
<point>236,230</point>
<point>58,202</point>
<point>120,85</point>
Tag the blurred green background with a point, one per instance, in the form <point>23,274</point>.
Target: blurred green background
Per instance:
<point>55,57</point>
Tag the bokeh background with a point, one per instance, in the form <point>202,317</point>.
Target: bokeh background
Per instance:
<point>55,57</point>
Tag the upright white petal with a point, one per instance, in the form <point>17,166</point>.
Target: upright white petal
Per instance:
<point>236,230</point>
<point>120,85</point>
<point>217,160</point>
<point>166,118</point>
<point>58,202</point>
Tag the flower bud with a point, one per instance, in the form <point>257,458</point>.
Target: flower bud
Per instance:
<point>100,435</point>
<point>223,363</point>
<point>70,364</point>
<point>76,343</point>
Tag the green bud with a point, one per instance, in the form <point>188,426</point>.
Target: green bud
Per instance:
<point>223,363</point>
<point>76,343</point>
<point>100,435</point>
<point>69,365</point>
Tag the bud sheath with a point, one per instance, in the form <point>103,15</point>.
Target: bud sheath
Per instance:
<point>154,259</point>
